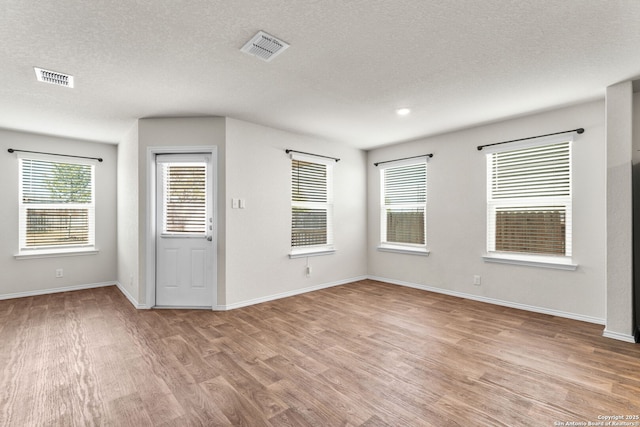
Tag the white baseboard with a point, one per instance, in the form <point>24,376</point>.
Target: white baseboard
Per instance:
<point>286,294</point>
<point>516,305</point>
<point>618,336</point>
<point>55,290</point>
<point>130,297</point>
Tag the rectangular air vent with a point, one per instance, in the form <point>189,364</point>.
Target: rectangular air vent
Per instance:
<point>264,46</point>
<point>53,77</point>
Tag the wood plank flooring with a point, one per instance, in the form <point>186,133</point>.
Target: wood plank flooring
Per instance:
<point>364,354</point>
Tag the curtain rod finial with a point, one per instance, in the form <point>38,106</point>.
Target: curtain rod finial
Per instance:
<point>10,150</point>
<point>580,130</point>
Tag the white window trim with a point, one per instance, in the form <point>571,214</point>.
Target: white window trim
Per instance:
<point>329,248</point>
<point>404,249</point>
<point>54,253</point>
<point>398,247</point>
<point>532,260</point>
<point>57,251</point>
<point>311,251</point>
<point>558,263</point>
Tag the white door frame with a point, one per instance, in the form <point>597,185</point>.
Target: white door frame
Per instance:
<point>151,228</point>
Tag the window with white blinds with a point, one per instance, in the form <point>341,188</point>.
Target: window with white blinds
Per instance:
<point>56,204</point>
<point>529,200</point>
<point>184,198</point>
<point>311,203</point>
<point>404,204</point>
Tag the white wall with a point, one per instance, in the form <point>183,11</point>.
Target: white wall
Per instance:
<point>636,200</point>
<point>258,237</point>
<point>28,276</point>
<point>128,255</point>
<point>619,142</point>
<point>253,243</point>
<point>177,132</point>
<point>456,218</point>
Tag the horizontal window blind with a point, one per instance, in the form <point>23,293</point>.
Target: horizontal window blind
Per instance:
<point>309,227</point>
<point>54,182</point>
<point>309,181</point>
<point>185,201</point>
<point>405,226</point>
<point>311,204</point>
<point>529,200</point>
<point>57,227</point>
<point>57,204</point>
<point>533,172</point>
<point>404,197</point>
<point>531,230</point>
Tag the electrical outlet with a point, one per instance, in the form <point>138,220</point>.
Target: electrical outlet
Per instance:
<point>59,273</point>
<point>476,280</point>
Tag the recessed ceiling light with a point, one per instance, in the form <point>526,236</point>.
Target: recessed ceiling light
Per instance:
<point>53,77</point>
<point>403,111</point>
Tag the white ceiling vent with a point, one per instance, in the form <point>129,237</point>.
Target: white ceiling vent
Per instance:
<point>53,77</point>
<point>264,46</point>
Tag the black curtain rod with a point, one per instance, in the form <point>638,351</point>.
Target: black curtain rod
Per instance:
<point>579,130</point>
<point>311,154</point>
<point>11,150</point>
<point>404,158</point>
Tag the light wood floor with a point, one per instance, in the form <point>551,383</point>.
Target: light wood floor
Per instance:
<point>363,354</point>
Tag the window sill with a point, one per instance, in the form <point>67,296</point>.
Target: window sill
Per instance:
<point>404,250</point>
<point>561,263</point>
<point>303,253</point>
<point>55,253</point>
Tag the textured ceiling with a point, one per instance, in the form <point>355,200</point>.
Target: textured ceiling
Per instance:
<point>351,63</point>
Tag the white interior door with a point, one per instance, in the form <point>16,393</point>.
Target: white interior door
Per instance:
<point>185,231</point>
